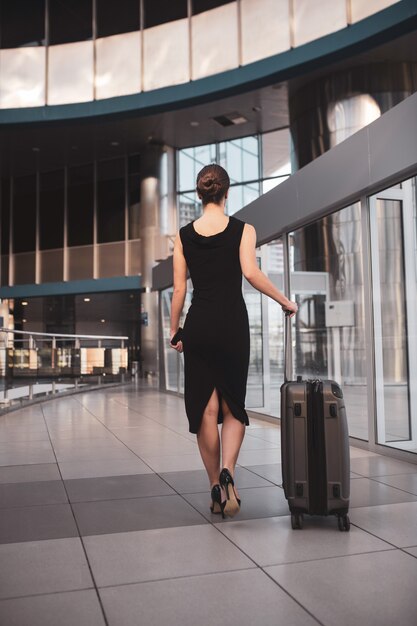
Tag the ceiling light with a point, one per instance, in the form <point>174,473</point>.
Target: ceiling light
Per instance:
<point>114,143</point>
<point>24,303</point>
<point>36,149</point>
<point>102,321</point>
<point>194,123</point>
<point>86,299</point>
<point>24,320</point>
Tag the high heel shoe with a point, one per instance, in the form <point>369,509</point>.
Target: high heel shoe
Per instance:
<point>217,506</point>
<point>232,501</point>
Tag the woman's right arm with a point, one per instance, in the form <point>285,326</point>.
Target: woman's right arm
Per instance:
<point>255,276</point>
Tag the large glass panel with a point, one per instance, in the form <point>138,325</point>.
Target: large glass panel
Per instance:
<point>22,23</point>
<point>80,205</point>
<point>125,19</point>
<point>316,19</point>
<point>22,77</point>
<point>276,153</point>
<point>360,9</point>
<point>110,201</point>
<point>70,72</point>
<point>166,55</point>
<point>24,214</point>
<point>190,162</point>
<point>241,195</point>
<point>240,157</point>
<point>134,196</point>
<point>393,246</point>
<point>189,207</point>
<point>214,36</point>
<point>329,330</point>
<point>162,11</point>
<point>5,216</point>
<point>51,210</point>
<point>70,20</point>
<point>265,28</point>
<point>118,62</point>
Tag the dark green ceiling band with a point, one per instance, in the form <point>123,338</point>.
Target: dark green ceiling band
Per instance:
<point>100,285</point>
<point>397,20</point>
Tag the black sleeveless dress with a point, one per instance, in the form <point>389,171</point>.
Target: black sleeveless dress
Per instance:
<point>216,340</point>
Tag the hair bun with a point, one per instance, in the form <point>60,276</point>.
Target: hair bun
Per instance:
<point>212,183</point>
<point>209,182</point>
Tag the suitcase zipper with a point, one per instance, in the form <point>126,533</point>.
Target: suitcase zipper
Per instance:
<point>316,452</point>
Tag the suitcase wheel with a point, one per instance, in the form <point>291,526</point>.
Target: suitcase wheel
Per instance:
<point>296,521</point>
<point>344,522</point>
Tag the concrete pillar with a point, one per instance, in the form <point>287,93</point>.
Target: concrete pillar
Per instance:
<point>157,230</point>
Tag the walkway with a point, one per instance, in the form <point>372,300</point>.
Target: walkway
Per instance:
<point>105,520</point>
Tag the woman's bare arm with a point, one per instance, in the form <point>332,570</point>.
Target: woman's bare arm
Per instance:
<point>255,276</point>
<point>180,287</point>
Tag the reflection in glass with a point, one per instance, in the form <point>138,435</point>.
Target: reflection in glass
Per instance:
<point>118,63</point>
<point>22,77</point>
<point>212,52</point>
<point>265,28</point>
<point>391,321</point>
<point>166,55</point>
<point>70,73</point>
<point>324,346</point>
<point>309,22</point>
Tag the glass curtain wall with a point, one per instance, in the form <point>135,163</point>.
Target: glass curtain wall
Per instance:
<point>255,164</point>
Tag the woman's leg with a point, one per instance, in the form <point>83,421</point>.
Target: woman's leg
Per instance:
<point>208,439</point>
<point>233,432</point>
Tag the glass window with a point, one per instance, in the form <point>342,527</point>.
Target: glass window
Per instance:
<point>70,73</point>
<point>162,11</point>
<point>70,20</point>
<point>326,268</point>
<point>24,214</point>
<point>134,196</point>
<point>241,195</point>
<point>80,205</point>
<point>22,77</point>
<point>276,153</point>
<point>22,23</point>
<point>51,210</point>
<point>308,19</point>
<point>189,207</point>
<point>110,201</point>
<point>118,62</point>
<point>199,6</point>
<point>265,28</point>
<point>166,55</point>
<point>123,20</point>
<point>215,31</point>
<point>191,161</point>
<point>240,157</point>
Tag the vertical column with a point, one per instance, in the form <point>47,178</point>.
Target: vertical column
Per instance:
<point>150,239</point>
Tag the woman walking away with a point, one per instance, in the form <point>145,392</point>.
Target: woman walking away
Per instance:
<point>215,339</point>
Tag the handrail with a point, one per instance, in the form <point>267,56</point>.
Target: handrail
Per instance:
<point>26,332</point>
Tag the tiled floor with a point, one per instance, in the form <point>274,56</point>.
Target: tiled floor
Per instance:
<point>104,520</point>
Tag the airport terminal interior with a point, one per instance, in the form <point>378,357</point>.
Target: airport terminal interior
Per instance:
<point>107,113</point>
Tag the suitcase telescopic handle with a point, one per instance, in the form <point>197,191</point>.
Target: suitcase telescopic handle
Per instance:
<point>288,375</point>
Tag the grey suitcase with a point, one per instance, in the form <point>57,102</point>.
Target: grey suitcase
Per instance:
<point>314,447</point>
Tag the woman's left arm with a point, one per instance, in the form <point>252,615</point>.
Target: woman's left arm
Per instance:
<point>180,285</point>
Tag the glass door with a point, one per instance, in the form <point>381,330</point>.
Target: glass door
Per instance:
<point>392,232</point>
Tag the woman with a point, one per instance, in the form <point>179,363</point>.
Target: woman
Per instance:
<point>217,249</point>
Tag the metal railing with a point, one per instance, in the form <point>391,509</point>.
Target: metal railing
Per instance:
<point>34,364</point>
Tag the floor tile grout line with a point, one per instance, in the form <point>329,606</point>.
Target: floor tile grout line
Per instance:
<point>78,530</point>
<point>47,593</point>
<point>329,558</point>
<point>381,482</point>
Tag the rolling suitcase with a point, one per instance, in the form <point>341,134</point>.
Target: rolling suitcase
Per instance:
<point>314,447</point>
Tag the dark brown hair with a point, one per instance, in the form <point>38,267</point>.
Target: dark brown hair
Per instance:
<point>212,183</point>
